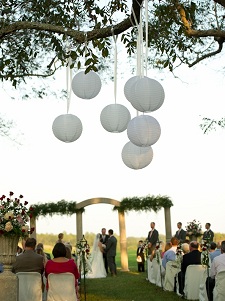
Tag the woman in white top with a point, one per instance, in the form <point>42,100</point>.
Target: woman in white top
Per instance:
<point>97,263</point>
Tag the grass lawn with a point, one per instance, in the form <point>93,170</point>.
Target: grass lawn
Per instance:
<point>127,286</point>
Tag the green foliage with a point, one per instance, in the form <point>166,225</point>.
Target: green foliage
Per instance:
<point>61,207</point>
<point>209,124</point>
<point>144,203</point>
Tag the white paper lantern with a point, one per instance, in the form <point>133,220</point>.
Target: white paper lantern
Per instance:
<point>86,86</point>
<point>136,157</point>
<point>146,94</point>
<point>143,130</point>
<point>67,127</point>
<point>128,85</point>
<point>114,118</point>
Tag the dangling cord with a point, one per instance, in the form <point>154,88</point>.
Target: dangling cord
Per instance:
<point>68,79</point>
<point>146,37</point>
<point>115,64</point>
<point>85,48</point>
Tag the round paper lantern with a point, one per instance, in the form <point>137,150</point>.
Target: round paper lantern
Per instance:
<point>136,157</point>
<point>86,86</point>
<point>143,130</point>
<point>67,127</point>
<point>145,94</point>
<point>114,118</point>
<point>128,85</point>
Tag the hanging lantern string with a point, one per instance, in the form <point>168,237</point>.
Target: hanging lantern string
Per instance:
<point>68,78</point>
<point>146,37</point>
<point>115,64</point>
<point>85,47</point>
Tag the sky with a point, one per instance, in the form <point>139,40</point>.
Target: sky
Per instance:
<point>187,165</point>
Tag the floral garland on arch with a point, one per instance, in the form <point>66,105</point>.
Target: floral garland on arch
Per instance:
<point>14,216</point>
<point>83,255</point>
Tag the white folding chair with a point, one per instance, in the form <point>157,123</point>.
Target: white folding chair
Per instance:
<point>160,273</point>
<point>61,287</point>
<point>193,278</point>
<point>219,289</point>
<point>202,287</point>
<point>172,268</point>
<point>30,286</point>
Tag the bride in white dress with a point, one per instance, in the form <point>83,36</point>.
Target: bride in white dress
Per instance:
<point>97,263</point>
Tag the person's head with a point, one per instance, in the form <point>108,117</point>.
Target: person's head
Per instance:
<point>194,245</point>
<point>40,245</point>
<point>223,246</point>
<point>218,245</point>
<point>174,241</point>
<point>39,250</point>
<point>68,252</point>
<point>179,225</point>
<point>185,248</point>
<point>152,225</point>
<point>68,244</point>
<point>140,242</point>
<point>212,246</point>
<point>59,250</point>
<point>30,243</point>
<point>110,232</point>
<point>207,226</point>
<point>103,231</point>
<point>168,246</point>
<point>60,236</point>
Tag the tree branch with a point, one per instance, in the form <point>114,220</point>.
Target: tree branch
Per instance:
<point>221,2</point>
<point>78,36</point>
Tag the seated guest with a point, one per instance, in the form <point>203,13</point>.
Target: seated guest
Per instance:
<point>193,257</point>
<point>166,248</point>
<point>212,247</point>
<point>29,260</point>
<point>185,248</point>
<point>61,264</point>
<point>170,254</point>
<point>39,250</point>
<point>218,265</point>
<point>217,251</point>
<point>47,255</point>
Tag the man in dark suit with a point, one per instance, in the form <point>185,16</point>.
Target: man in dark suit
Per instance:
<point>29,260</point>
<point>153,237</point>
<point>180,234</point>
<point>193,257</point>
<point>110,249</point>
<point>104,240</point>
<point>208,234</point>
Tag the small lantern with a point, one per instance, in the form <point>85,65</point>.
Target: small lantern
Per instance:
<point>86,86</point>
<point>128,85</point>
<point>143,130</point>
<point>67,127</point>
<point>136,157</point>
<point>114,118</point>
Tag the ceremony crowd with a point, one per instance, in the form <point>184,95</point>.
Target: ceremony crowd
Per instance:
<point>178,255</point>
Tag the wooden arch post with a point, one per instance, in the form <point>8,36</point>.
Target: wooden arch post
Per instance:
<point>122,226</point>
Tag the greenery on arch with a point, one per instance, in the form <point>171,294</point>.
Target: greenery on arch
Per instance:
<point>62,207</point>
<point>147,203</point>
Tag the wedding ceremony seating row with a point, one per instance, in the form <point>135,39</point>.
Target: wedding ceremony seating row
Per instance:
<point>195,279</point>
<point>61,287</point>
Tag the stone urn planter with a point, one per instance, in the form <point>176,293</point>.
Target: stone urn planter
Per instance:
<point>8,249</point>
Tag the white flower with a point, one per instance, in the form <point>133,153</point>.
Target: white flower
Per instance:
<point>8,226</point>
<point>8,215</point>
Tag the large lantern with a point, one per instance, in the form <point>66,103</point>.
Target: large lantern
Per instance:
<point>136,157</point>
<point>114,118</point>
<point>67,127</point>
<point>144,93</point>
<point>86,86</point>
<point>143,130</point>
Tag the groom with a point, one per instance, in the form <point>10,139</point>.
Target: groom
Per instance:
<point>104,240</point>
<point>110,249</point>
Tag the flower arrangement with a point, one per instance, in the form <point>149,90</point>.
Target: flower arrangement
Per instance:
<point>83,255</point>
<point>194,228</point>
<point>205,246</point>
<point>179,253</point>
<point>14,216</point>
<point>158,251</point>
